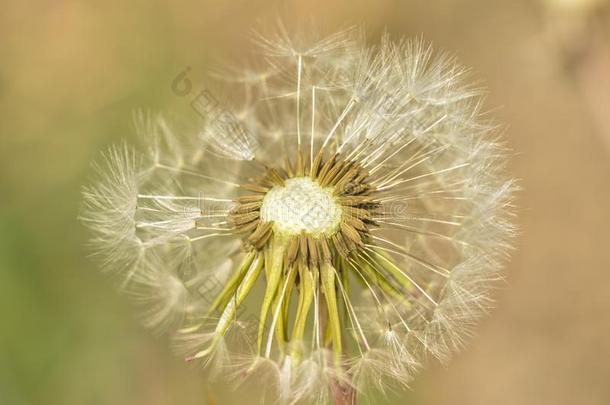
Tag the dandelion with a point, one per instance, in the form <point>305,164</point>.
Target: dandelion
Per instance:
<point>346,218</point>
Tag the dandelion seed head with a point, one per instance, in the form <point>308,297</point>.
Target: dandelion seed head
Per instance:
<point>361,189</point>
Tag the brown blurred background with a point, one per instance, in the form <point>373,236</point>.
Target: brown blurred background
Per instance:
<point>71,73</point>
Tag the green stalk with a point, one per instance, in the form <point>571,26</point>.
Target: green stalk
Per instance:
<point>305,300</point>
<point>229,290</point>
<point>381,281</point>
<point>228,314</point>
<point>327,275</point>
<point>274,266</point>
<point>388,264</point>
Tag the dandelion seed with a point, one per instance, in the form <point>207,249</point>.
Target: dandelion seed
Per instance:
<point>370,207</point>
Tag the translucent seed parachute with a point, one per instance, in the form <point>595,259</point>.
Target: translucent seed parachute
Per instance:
<point>347,219</point>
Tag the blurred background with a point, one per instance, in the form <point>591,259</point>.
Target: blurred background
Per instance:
<point>72,73</point>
